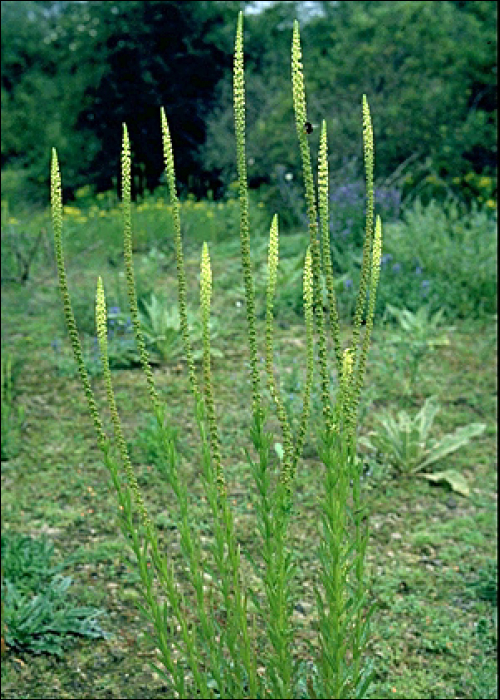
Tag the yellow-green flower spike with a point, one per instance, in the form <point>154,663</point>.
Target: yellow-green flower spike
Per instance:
<point>129,267</point>
<point>369,154</point>
<point>239,121</point>
<point>376,262</point>
<point>273,257</point>
<point>309,319</point>
<point>168,156</point>
<point>299,103</point>
<point>272,384</point>
<point>298,88</point>
<point>374,280</point>
<point>272,267</point>
<point>57,220</point>
<point>101,328</point>
<point>324,215</point>
<point>101,317</point>
<point>206,282</point>
<point>368,150</point>
<point>205,299</point>
<point>56,195</point>
<point>345,382</point>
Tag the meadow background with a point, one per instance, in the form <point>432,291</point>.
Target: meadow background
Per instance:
<point>71,74</point>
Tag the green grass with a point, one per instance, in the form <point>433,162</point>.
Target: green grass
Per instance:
<point>432,553</point>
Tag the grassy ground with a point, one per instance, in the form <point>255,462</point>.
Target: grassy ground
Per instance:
<point>432,552</point>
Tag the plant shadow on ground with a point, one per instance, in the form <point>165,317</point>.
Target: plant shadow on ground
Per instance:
<point>432,553</point>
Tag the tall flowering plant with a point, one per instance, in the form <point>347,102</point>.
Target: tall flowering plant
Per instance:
<point>211,648</point>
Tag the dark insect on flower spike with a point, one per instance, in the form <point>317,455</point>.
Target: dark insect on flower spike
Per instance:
<point>308,128</point>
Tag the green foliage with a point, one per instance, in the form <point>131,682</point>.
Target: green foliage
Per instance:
<point>44,52</point>
<point>485,585</point>
<point>482,681</point>
<point>37,614</point>
<point>201,220</point>
<point>161,327</point>
<point>470,189</point>
<point>288,295</point>
<point>420,333</point>
<point>480,189</point>
<point>64,362</point>
<point>122,351</point>
<point>23,250</point>
<point>443,256</point>
<point>27,561</point>
<point>12,415</point>
<point>439,256</point>
<point>406,445</point>
<point>421,249</point>
<point>149,442</point>
<point>74,66</point>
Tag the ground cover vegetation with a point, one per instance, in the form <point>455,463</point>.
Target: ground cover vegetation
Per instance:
<point>428,410</point>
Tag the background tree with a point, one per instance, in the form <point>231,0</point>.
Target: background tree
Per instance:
<point>73,72</point>
<point>430,71</point>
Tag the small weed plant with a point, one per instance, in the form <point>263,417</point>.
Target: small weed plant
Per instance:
<point>161,328</point>
<point>37,613</point>
<point>406,445</point>
<point>161,325</point>
<point>210,642</point>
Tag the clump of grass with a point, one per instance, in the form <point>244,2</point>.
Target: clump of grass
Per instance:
<point>209,644</point>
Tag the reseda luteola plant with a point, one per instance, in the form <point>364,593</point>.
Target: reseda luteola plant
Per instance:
<point>214,647</point>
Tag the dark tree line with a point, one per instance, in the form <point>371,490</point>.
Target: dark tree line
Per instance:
<point>73,72</point>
